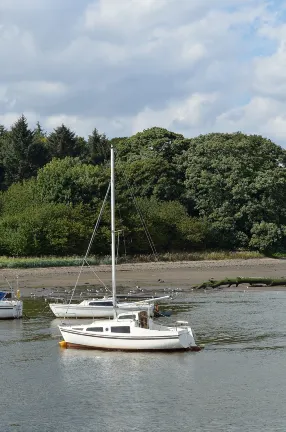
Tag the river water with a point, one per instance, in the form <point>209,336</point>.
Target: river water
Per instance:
<point>237,383</point>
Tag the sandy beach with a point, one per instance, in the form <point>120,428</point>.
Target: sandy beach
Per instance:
<point>154,277</point>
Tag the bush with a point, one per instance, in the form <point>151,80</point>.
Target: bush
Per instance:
<point>54,229</point>
<point>267,237</point>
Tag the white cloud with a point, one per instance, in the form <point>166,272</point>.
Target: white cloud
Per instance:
<point>9,118</point>
<point>193,66</point>
<point>123,14</point>
<point>41,88</point>
<point>263,115</point>
<point>84,125</point>
<point>21,42</point>
<point>191,112</point>
<point>12,5</point>
<point>270,78</point>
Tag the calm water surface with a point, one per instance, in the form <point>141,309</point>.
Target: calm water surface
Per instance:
<point>237,383</point>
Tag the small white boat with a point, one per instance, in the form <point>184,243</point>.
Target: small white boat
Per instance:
<point>132,331</point>
<point>10,308</point>
<point>100,308</point>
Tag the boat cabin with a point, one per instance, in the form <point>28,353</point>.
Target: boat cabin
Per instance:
<point>123,323</point>
<point>140,318</point>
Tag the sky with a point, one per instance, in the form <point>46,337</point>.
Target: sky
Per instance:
<point>191,66</point>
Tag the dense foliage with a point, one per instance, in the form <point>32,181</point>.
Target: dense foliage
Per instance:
<point>220,191</point>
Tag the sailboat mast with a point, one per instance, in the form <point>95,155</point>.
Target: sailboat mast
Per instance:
<point>113,227</point>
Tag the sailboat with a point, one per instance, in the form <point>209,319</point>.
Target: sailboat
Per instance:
<point>100,308</point>
<point>11,306</point>
<point>134,330</point>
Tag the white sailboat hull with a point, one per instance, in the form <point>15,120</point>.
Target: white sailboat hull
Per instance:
<point>86,311</point>
<point>139,340</point>
<point>11,309</point>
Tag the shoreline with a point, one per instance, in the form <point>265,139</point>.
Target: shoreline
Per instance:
<point>151,277</point>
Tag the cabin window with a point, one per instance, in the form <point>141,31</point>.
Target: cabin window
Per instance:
<point>95,329</point>
<point>103,303</point>
<point>127,317</point>
<point>100,304</point>
<point>120,329</point>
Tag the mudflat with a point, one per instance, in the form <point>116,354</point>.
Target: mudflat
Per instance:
<point>151,276</point>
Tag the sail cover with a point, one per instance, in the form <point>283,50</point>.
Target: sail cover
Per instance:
<point>2,295</point>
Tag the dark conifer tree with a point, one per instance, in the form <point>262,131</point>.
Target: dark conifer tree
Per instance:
<point>62,142</point>
<point>16,150</point>
<point>98,147</point>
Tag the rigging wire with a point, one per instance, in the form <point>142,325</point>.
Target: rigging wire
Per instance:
<point>96,275</point>
<point>148,235</point>
<point>89,245</point>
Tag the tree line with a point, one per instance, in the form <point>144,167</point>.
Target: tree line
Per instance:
<point>215,191</point>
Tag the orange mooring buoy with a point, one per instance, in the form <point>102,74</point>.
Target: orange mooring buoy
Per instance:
<point>63,344</point>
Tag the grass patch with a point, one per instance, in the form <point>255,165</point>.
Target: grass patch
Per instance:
<point>193,256</point>
<point>279,255</point>
<point>210,255</point>
<point>37,262</point>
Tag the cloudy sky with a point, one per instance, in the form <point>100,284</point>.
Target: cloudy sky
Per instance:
<point>192,66</point>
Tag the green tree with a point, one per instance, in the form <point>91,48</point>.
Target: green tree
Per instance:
<point>17,152</point>
<point>71,181</point>
<point>267,237</point>
<point>117,141</point>
<point>18,197</point>
<point>82,147</point>
<point>150,142</point>
<point>39,132</point>
<point>3,131</point>
<point>4,137</point>
<point>50,229</point>
<point>148,160</point>
<point>146,177</point>
<point>62,142</point>
<point>98,148</point>
<point>170,227</point>
<point>235,180</point>
<point>38,152</point>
